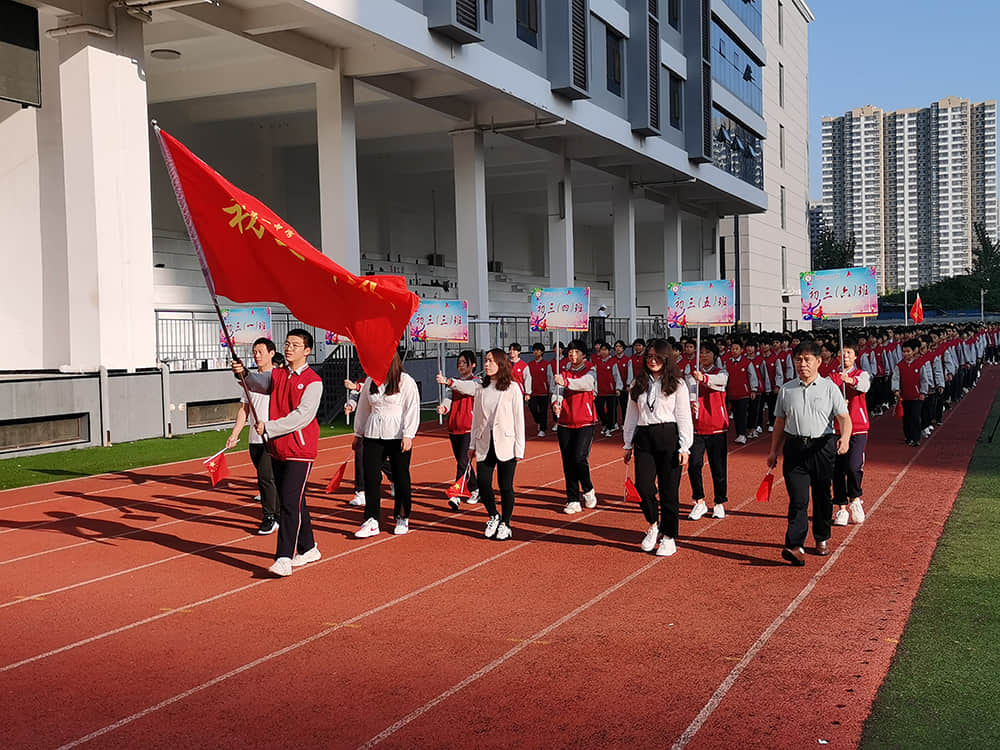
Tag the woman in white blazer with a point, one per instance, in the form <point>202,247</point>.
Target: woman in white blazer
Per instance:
<point>497,437</point>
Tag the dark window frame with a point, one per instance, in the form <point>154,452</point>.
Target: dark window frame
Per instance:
<point>526,21</point>
<point>614,64</point>
<point>676,99</point>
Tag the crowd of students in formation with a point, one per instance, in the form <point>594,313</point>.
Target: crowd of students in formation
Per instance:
<point>675,405</point>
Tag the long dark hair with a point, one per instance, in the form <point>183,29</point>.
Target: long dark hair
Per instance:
<point>392,378</point>
<point>670,375</point>
<point>504,376</point>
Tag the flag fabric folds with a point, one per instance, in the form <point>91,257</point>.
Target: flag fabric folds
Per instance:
<point>460,488</point>
<point>917,310</point>
<point>250,254</point>
<point>337,478</point>
<point>898,411</point>
<point>764,491</point>
<point>631,493</point>
<point>216,466</point>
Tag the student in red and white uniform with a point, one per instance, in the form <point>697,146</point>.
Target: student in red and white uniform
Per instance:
<point>711,427</point>
<point>518,367</point>
<point>775,368</point>
<point>755,415</point>
<point>638,358</point>
<point>849,468</point>
<point>538,382</point>
<point>910,384</point>
<point>609,387</point>
<point>658,426</point>
<point>457,404</point>
<point>742,383</point>
<point>829,359</point>
<point>573,406</point>
<point>689,357</point>
<point>624,364</point>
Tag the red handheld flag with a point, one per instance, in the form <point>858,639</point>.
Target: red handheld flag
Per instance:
<point>898,411</point>
<point>917,310</point>
<point>334,484</point>
<point>461,487</point>
<point>764,491</point>
<point>631,493</point>
<point>216,465</point>
<point>250,254</point>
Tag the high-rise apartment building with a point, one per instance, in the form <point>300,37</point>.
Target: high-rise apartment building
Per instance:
<point>817,223</point>
<point>908,185</point>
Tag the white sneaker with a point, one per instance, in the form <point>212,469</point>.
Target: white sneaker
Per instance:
<point>649,541</point>
<point>402,526</point>
<point>841,518</point>
<point>358,499</point>
<point>282,567</point>
<point>757,431</point>
<point>667,547</point>
<point>857,512</point>
<point>771,428</point>
<point>541,433</point>
<point>455,503</point>
<point>719,511</point>
<point>503,532</point>
<point>572,508</point>
<point>473,498</point>
<point>308,556</point>
<point>368,528</point>
<point>590,499</point>
<point>256,498</point>
<point>491,527</point>
<point>742,439</point>
<point>698,510</point>
<point>392,489</point>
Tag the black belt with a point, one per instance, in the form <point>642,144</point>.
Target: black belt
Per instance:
<point>805,441</point>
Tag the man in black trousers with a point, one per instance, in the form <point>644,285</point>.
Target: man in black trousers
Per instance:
<point>803,431</point>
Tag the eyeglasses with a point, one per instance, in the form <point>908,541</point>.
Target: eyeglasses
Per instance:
<point>291,345</point>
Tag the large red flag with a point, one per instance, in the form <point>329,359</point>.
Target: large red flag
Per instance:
<point>250,254</point>
<point>216,465</point>
<point>917,311</point>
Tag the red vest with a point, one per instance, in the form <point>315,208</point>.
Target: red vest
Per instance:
<point>577,406</point>
<point>517,370</point>
<point>712,415</point>
<point>826,369</point>
<point>605,377</point>
<point>286,394</point>
<point>460,416</point>
<point>539,377</point>
<point>758,362</point>
<point>739,382</point>
<point>771,363</point>
<point>857,406</point>
<point>622,364</point>
<point>909,379</point>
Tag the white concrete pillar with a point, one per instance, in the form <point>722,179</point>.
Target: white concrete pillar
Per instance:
<point>340,222</point>
<point>562,266</point>
<point>624,255</point>
<point>673,247</point>
<point>470,221</point>
<point>109,240</point>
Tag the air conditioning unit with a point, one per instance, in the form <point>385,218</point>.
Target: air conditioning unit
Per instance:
<point>459,20</point>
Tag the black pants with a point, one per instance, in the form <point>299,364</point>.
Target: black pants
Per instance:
<point>606,408</point>
<point>359,469</point>
<point>770,399</point>
<point>911,420</point>
<point>505,479</point>
<point>939,405</point>
<point>741,410</point>
<point>623,405</point>
<point>574,445</point>
<point>376,451</point>
<point>261,458</point>
<point>657,464</point>
<point>460,448</point>
<point>849,470</point>
<point>808,467</point>
<point>539,408</point>
<point>716,448</point>
<point>295,532</point>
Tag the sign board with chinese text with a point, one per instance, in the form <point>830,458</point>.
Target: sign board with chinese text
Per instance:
<point>246,325</point>
<point>839,293</point>
<point>701,303</point>
<point>331,341</point>
<point>441,320</point>
<point>560,308</point>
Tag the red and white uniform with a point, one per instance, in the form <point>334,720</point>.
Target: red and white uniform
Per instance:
<point>608,380</point>
<point>742,378</point>
<point>459,406</point>
<point>517,370</point>
<point>577,399</point>
<point>538,377</point>
<point>857,406</point>
<point>711,416</point>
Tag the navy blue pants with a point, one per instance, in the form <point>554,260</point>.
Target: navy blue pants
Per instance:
<point>295,532</point>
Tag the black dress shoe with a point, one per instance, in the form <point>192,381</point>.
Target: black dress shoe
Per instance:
<point>822,549</point>
<point>796,556</point>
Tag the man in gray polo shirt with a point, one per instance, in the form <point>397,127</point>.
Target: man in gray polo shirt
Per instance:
<point>804,411</point>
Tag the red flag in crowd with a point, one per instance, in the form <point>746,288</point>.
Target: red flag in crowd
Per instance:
<point>216,465</point>
<point>764,491</point>
<point>631,493</point>
<point>917,311</point>
<point>334,484</point>
<point>461,487</point>
<point>250,254</point>
<point>898,411</point>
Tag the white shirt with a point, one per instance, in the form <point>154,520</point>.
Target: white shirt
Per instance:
<point>655,408</point>
<point>261,406</point>
<point>383,417</point>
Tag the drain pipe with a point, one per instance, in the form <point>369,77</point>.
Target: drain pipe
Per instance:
<point>165,396</point>
<point>105,406</point>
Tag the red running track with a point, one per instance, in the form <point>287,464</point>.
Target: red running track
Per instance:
<point>136,612</point>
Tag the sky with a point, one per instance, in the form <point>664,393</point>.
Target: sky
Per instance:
<point>896,54</point>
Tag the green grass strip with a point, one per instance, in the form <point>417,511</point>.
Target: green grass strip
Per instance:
<point>941,690</point>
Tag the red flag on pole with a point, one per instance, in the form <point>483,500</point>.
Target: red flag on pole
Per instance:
<point>764,491</point>
<point>216,465</point>
<point>250,254</point>
<point>917,311</point>
<point>334,484</point>
<point>631,493</point>
<point>461,487</point>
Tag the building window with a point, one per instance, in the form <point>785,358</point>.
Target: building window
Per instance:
<point>781,146</point>
<point>783,207</point>
<point>674,13</point>
<point>737,150</point>
<point>733,68</point>
<point>488,10</point>
<point>614,61</point>
<point>781,22</point>
<point>784,267</point>
<point>676,99</point>
<point>527,21</point>
<point>781,85</point>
